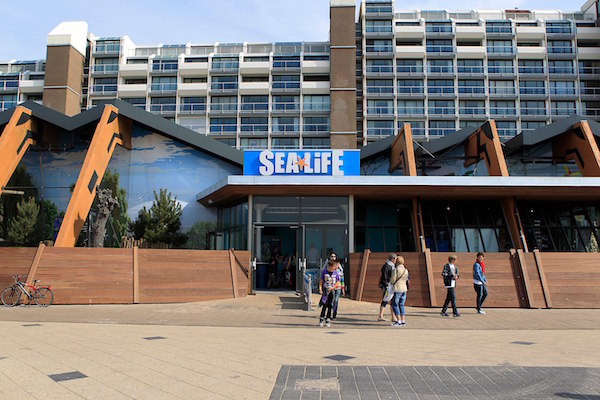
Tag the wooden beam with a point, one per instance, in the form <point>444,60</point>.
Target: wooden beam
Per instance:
<point>579,144</point>
<point>540,267</point>
<point>17,136</point>
<point>525,277</point>
<point>485,144</point>
<point>35,263</point>
<point>136,276</point>
<point>233,268</point>
<point>402,152</point>
<point>363,274</point>
<point>111,131</point>
<point>513,222</point>
<point>430,279</point>
<point>417,221</point>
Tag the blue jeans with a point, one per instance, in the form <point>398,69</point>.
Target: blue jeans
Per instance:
<point>398,303</point>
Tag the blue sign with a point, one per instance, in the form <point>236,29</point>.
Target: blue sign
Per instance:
<point>302,162</point>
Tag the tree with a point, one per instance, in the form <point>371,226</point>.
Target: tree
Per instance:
<point>21,230</point>
<point>45,222</point>
<point>118,217</point>
<point>20,180</point>
<point>104,205</point>
<point>197,235</point>
<point>162,222</point>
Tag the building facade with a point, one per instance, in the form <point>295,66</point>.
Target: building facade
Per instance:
<point>438,70</point>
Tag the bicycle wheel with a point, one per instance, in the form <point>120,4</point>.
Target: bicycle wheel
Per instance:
<point>43,297</point>
<point>10,296</point>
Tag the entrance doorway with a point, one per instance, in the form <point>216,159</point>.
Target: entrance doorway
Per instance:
<point>284,252</point>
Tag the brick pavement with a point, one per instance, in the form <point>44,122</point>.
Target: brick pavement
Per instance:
<point>236,349</point>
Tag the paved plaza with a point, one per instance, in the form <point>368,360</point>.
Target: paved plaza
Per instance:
<point>269,347</point>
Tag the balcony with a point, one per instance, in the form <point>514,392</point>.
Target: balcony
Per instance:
<point>470,71</point>
<point>561,71</point>
<point>531,32</point>
<point>379,132</point>
<point>441,112</point>
<point>316,67</point>
<point>534,113</point>
<point>261,129</point>
<point>540,92</point>
<point>6,105</point>
<point>560,32</point>
<point>137,90</point>
<point>501,71</point>
<point>254,68</point>
<point>470,32</point>
<point>159,88</point>
<point>31,87</point>
<point>570,92</point>
<point>409,70</point>
<point>532,72</point>
<point>444,91</point>
<point>315,128</point>
<point>375,11</point>
<point>506,132</point>
<point>380,112</point>
<point>379,50</point>
<point>471,91</point>
<point>10,86</point>
<point>223,108</point>
<point>439,30</point>
<point>223,129</point>
<point>286,128</point>
<point>164,68</point>
<point>104,90</point>
<point>499,31</point>
<point>193,89</point>
<point>225,67</point>
<point>589,72</point>
<point>470,52</point>
<point>410,51</point>
<point>592,112</point>
<point>410,32</point>
<point>133,70</point>
<point>316,108</point>
<point>562,52</point>
<point>501,52</point>
<point>531,52</point>
<point>440,70</point>
<point>465,112</point>
<point>163,109</point>
<point>315,87</point>
<point>409,91</point>
<point>439,132</point>
<point>106,49</point>
<point>105,69</point>
<point>502,92</point>
<point>590,92</point>
<point>224,87</point>
<point>252,108</point>
<point>563,112</point>
<point>411,111</point>
<point>192,108</point>
<point>441,51</point>
<point>503,112</point>
<point>379,31</point>
<point>254,88</point>
<point>285,108</point>
<point>380,70</point>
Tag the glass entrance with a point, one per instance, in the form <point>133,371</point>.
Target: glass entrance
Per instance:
<point>275,251</point>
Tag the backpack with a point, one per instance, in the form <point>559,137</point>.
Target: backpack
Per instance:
<point>382,283</point>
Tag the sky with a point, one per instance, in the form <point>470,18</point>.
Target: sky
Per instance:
<point>24,30</point>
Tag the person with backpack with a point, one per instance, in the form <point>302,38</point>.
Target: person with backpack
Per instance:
<point>384,285</point>
<point>480,282</point>
<point>450,275</point>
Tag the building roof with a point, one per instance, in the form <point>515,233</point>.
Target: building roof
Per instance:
<point>140,118</point>
<point>548,132</point>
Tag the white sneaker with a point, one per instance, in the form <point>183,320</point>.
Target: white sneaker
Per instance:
<point>328,323</point>
<point>321,323</point>
<point>480,311</point>
<point>397,323</point>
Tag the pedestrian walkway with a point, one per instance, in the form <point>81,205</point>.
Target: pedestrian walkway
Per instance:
<point>243,349</point>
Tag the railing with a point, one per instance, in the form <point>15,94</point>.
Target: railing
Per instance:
<point>162,108</point>
<point>104,89</point>
<point>8,85</point>
<point>418,131</point>
<point>5,105</point>
<point>562,30</point>
<point>563,112</point>
<point>380,49</point>
<point>472,111</point>
<point>560,50</point>
<point>589,70</point>
<point>561,70</point>
<point>500,50</point>
<point>440,89</point>
<point>285,65</point>
<point>261,128</point>
<point>441,131</point>
<point>378,29</point>
<point>379,132</point>
<point>286,107</point>
<point>315,127</point>
<point>107,49</point>
<point>499,29</point>
<point>409,69</point>
<point>164,67</point>
<point>471,70</point>
<point>531,70</point>
<point>253,107</point>
<point>380,69</point>
<point>532,91</point>
<point>192,107</point>
<point>225,66</point>
<point>379,10</point>
<point>223,128</point>
<point>440,69</point>
<point>471,90</point>
<point>411,111</point>
<point>223,86</point>
<point>317,107</point>
<point>563,91</point>
<point>438,29</point>
<point>507,132</point>
<point>407,90</point>
<point>501,70</point>
<point>372,111</point>
<point>105,68</point>
<point>286,85</point>
<point>441,110</point>
<point>440,49</point>
<point>590,91</point>
<point>380,89</point>
<point>504,91</point>
<point>534,111</point>
<point>223,107</point>
<point>503,111</point>
<point>592,112</point>
<point>285,128</point>
<point>163,87</point>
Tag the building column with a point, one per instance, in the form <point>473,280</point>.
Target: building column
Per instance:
<point>342,61</point>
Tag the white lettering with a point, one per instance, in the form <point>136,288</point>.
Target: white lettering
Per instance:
<point>317,163</point>
<point>279,163</point>
<point>307,165</point>
<point>338,163</point>
<point>265,158</point>
<point>325,162</point>
<point>291,166</point>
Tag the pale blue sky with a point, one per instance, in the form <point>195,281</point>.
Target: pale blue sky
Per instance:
<point>150,22</point>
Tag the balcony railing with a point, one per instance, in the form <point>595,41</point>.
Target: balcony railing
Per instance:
<point>378,10</point>
<point>381,111</point>
<point>440,49</point>
<point>105,68</point>
<point>286,107</point>
<point>286,65</point>
<point>225,66</point>
<point>507,132</point>
<point>9,85</point>
<point>380,49</point>
<point>223,107</point>
<point>254,128</point>
<point>104,89</point>
<point>471,90</point>
<point>589,71</point>
<point>508,50</point>
<point>561,70</point>
<point>560,50</point>
<point>163,87</point>
<point>532,91</point>
<point>441,110</point>
<point>541,111</point>
<point>224,86</point>
<point>563,112</point>
<point>501,70</point>
<point>563,91</point>
<point>407,90</point>
<point>499,30</point>
<point>315,127</point>
<point>164,67</point>
<point>590,91</point>
<point>438,29</point>
<point>380,89</point>
<point>592,112</point>
<point>441,131</point>
<point>440,90</point>
<point>317,107</point>
<point>163,108</point>
<point>380,69</point>
<point>191,108</point>
<point>223,128</point>
<point>378,29</point>
<point>559,30</point>
<point>503,111</point>
<point>254,107</point>
<point>532,70</point>
<point>409,69</point>
<point>471,70</point>
<point>107,49</point>
<point>411,111</point>
<point>286,128</point>
<point>379,132</point>
<point>286,85</point>
<point>472,111</point>
<point>502,91</point>
<point>440,70</point>
<point>5,105</point>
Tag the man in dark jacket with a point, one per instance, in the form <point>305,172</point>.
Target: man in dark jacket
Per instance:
<point>450,275</point>
<point>384,281</point>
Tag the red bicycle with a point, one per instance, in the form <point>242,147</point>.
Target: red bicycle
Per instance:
<point>42,295</point>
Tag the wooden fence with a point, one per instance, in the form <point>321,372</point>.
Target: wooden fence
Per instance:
<point>124,276</point>
<point>515,279</point>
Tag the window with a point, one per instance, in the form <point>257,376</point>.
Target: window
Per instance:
<point>440,86</point>
<point>286,62</point>
<point>470,87</point>
<point>531,67</point>
<point>439,46</point>
<point>472,107</point>
<point>223,125</point>
<point>380,107</point>
<point>316,124</point>
<point>532,88</point>
<point>532,125</point>
<point>407,86</point>
<point>564,88</point>
<point>441,128</point>
<point>223,103</point>
<point>380,67</point>
<point>533,108</point>
<point>254,124</point>
<point>560,47</point>
<point>384,227</point>
<point>441,107</point>
<point>563,108</point>
<point>193,104</point>
<point>380,128</point>
<point>224,83</point>
<point>286,82</point>
<point>255,103</point>
<point>502,67</point>
<point>8,101</point>
<point>316,143</point>
<point>199,79</point>
<point>470,66</point>
<point>440,67</point>
<point>380,86</point>
<point>197,124</point>
<point>285,143</point>
<point>225,63</point>
<point>104,85</point>
<point>316,102</point>
<point>411,107</point>
<point>286,103</point>
<point>506,128</point>
<point>105,65</point>
<point>379,46</point>
<point>164,65</point>
<point>560,67</point>
<point>409,66</point>
<point>499,46</point>
<point>379,26</point>
<point>417,127</point>
<point>136,101</point>
<point>163,84</point>
<point>163,104</point>
<point>502,87</point>
<point>285,124</point>
<point>502,108</point>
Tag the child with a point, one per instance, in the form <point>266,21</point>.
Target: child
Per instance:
<point>328,284</point>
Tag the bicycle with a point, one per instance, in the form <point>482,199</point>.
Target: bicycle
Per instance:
<point>42,295</point>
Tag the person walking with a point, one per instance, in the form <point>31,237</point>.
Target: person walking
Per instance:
<point>328,283</point>
<point>384,284</point>
<point>341,291</point>
<point>450,275</point>
<point>399,279</point>
<point>480,282</point>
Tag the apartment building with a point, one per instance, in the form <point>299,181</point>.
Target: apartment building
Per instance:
<point>438,70</point>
